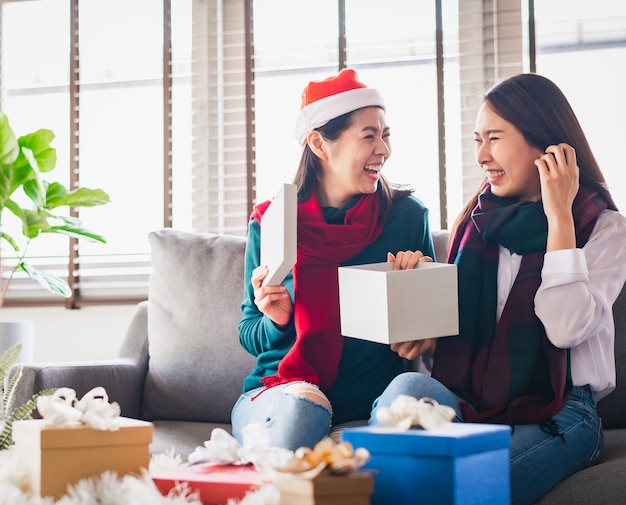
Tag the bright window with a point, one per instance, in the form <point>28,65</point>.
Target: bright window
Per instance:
<point>581,46</point>
<point>234,96</point>
<point>396,54</point>
<point>120,127</point>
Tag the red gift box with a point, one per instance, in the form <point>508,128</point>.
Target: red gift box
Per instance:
<point>214,484</point>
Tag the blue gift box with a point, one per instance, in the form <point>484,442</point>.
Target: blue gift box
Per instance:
<point>465,464</point>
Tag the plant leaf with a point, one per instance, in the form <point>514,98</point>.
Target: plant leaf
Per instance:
<point>35,191</point>
<point>77,232</point>
<point>10,375</point>
<point>52,283</point>
<point>57,195</point>
<point>6,174</point>
<point>10,382</point>
<point>34,222</point>
<point>7,360</point>
<point>22,412</point>
<point>11,241</point>
<point>39,144</point>
<point>35,156</point>
<point>20,213</point>
<point>9,147</point>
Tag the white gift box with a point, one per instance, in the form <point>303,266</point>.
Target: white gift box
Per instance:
<point>387,306</point>
<point>279,229</point>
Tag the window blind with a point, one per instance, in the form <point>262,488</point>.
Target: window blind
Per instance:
<point>490,48</point>
<point>222,114</point>
<point>198,169</point>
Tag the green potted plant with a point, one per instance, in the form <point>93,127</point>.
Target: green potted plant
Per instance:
<point>9,377</point>
<point>23,160</point>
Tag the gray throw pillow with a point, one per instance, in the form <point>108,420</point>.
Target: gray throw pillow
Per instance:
<point>196,364</point>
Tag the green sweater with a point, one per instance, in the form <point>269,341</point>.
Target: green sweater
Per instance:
<point>366,368</point>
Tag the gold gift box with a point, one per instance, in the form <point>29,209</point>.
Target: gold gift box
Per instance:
<point>326,489</point>
<point>56,457</point>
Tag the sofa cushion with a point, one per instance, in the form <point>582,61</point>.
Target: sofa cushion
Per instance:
<point>440,241</point>
<point>599,484</point>
<point>196,365</point>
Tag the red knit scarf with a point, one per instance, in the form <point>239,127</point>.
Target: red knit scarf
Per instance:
<point>315,354</point>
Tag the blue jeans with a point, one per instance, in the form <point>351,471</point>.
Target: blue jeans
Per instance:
<point>539,461</point>
<point>290,421</point>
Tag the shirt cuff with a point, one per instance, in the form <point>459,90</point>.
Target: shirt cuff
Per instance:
<point>564,266</point>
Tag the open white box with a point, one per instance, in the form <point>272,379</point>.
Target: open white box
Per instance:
<point>386,306</point>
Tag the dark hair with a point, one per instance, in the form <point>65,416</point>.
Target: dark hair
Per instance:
<point>541,112</point>
<point>309,168</point>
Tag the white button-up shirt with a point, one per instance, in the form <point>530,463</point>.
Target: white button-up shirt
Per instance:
<point>575,299</point>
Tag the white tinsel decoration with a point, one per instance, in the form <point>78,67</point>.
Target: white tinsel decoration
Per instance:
<point>111,489</point>
<point>265,495</point>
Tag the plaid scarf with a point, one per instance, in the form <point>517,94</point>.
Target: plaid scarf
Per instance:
<point>322,247</point>
<point>507,371</point>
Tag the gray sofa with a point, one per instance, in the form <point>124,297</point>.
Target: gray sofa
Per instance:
<point>181,365</point>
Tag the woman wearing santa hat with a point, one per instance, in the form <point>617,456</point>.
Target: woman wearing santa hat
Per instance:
<point>309,379</point>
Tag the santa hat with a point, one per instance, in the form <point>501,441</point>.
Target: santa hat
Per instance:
<point>331,98</point>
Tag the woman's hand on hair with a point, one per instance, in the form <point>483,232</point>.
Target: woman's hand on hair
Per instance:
<point>559,176</point>
<point>407,260</point>
<point>416,348</point>
<point>273,301</point>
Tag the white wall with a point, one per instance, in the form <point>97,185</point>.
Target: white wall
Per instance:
<point>89,333</point>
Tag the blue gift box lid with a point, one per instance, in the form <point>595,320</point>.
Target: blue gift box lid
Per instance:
<point>456,440</point>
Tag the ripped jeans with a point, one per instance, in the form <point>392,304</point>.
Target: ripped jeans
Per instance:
<point>538,460</point>
<point>295,414</point>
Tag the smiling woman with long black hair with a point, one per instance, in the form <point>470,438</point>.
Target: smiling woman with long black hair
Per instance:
<point>540,252</point>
